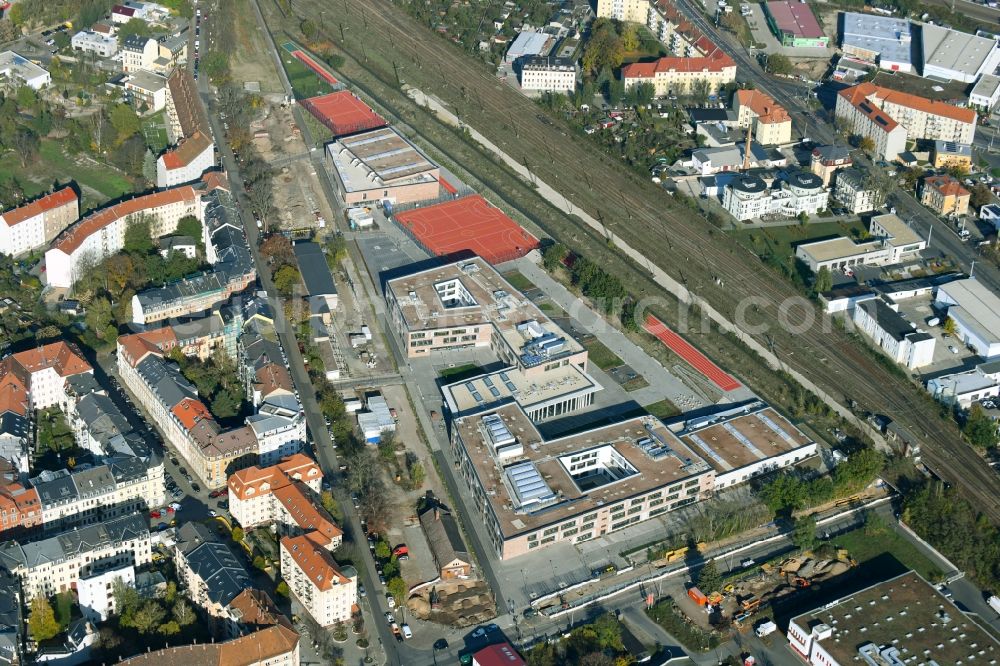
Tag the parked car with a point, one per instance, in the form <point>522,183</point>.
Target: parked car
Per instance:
<point>389,618</point>
<point>361,590</point>
<point>195,487</point>
<point>390,600</point>
<point>217,493</point>
<point>406,630</point>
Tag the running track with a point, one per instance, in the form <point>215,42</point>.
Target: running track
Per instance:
<point>692,356</point>
<point>311,64</point>
<point>448,187</point>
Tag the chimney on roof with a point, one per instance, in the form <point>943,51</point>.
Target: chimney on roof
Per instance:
<point>746,153</point>
<point>437,513</point>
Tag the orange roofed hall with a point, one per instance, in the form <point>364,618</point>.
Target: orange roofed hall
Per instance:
<point>673,75</point>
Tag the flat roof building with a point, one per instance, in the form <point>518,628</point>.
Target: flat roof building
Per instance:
<point>22,70</point>
<point>533,492</point>
<point>528,44</point>
<point>884,40</point>
<point>794,24</point>
<point>899,338</point>
<point>975,309</point>
<point>986,93</point>
<point>956,56</point>
<point>382,165</point>
<point>902,620</point>
<point>894,242</point>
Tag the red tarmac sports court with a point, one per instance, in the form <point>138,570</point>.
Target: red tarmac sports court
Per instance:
<point>343,113</point>
<point>692,356</point>
<point>469,223</point>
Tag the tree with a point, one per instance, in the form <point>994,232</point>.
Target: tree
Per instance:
<point>189,225</point>
<point>382,550</point>
<point>125,121</point>
<point>148,616</point>
<point>709,578</point>
<point>149,167</point>
<point>609,632</point>
<point>119,270</point>
<point>171,628</point>
<point>605,48</point>
<point>416,475</point>
<point>136,27</point>
<point>949,327</point>
<point>237,534</point>
<point>779,64</point>
<point>387,445</point>
<point>42,624</point>
<point>824,280</point>
<point>278,250</point>
<point>183,613</point>
<point>259,563</point>
<point>282,589</point>
<point>804,533</point>
<point>332,507</point>
<point>979,429</point>
<point>867,144</point>
<point>26,144</point>
<point>979,196</point>
<point>309,29</point>
<point>630,37</point>
<point>644,93</point>
<point>397,588</point>
<point>286,279</point>
<point>138,238</point>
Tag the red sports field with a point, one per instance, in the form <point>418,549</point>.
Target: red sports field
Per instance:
<point>692,356</point>
<point>448,187</point>
<point>311,64</point>
<point>469,223</point>
<point>343,113</point>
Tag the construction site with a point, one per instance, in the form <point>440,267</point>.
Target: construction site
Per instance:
<point>745,600</point>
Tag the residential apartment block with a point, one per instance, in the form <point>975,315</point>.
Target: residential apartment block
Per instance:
<point>139,53</point>
<point>326,590</point>
<point>56,564</point>
<point>634,11</point>
<point>226,248</point>
<point>827,160</point>
<point>121,486</point>
<point>673,75</point>
<point>34,225</point>
<point>854,190</point>
<point>945,195</point>
<point>285,495</point>
<point>146,90</point>
<point>272,646</point>
<point>209,571</point>
<point>102,234</point>
<point>951,155</point>
<point>770,123</point>
<point>748,196</point>
<point>186,162</point>
<point>548,74</point>
<point>86,41</point>
<point>890,118</point>
<point>20,510</point>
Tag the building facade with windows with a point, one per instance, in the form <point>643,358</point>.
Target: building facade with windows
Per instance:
<point>34,225</point>
<point>548,74</point>
<point>325,589</point>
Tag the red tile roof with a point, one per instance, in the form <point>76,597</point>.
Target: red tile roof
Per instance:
<point>186,151</point>
<point>299,504</point>
<point>49,202</point>
<point>73,237</point>
<point>260,647</point>
<point>862,91</point>
<point>190,411</point>
<point>272,377</point>
<point>501,654</point>
<point>137,345</point>
<point>298,466</point>
<point>314,560</point>
<point>13,394</point>
<point>715,61</point>
<point>124,11</point>
<point>59,355</point>
<point>946,186</point>
<point>763,105</point>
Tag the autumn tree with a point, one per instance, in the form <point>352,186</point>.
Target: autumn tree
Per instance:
<point>42,624</point>
<point>979,429</point>
<point>125,121</point>
<point>824,280</point>
<point>286,279</point>
<point>605,48</point>
<point>278,251</point>
<point>867,144</point>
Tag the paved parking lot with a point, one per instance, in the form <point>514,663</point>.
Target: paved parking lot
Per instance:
<point>919,311</point>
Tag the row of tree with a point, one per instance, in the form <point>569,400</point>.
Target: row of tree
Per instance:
<point>217,381</point>
<point>789,491</point>
<point>605,291</point>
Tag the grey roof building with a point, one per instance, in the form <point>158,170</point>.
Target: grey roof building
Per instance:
<point>11,619</point>
<point>165,380</point>
<point>315,271</point>
<point>881,39</point>
<point>211,571</point>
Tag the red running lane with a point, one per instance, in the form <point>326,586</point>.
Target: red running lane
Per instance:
<point>692,356</point>
<point>448,187</point>
<point>311,64</point>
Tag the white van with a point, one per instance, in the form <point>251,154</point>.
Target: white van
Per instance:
<point>407,634</point>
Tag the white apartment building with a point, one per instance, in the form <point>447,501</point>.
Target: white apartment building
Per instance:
<point>57,564</point>
<point>251,491</point>
<point>747,197</point>
<point>879,113</point>
<point>853,191</point>
<point>122,486</point>
<point>635,11</point>
<point>46,369</point>
<point>139,53</point>
<point>147,88</point>
<point>896,336</point>
<point>186,162</point>
<point>20,69</point>
<point>34,225</point>
<point>95,591</point>
<point>280,428</point>
<point>86,41</point>
<point>325,590</point>
<point>102,234</point>
<point>548,74</point>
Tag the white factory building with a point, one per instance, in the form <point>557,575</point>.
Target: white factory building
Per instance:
<point>884,40</point>
<point>965,388</point>
<point>893,334</point>
<point>975,309</point>
<point>957,56</point>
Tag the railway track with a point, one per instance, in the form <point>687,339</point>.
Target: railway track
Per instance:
<point>709,263</point>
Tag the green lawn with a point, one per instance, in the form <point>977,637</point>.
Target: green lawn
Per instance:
<point>305,82</point>
<point>781,241</point>
<point>10,167</point>
<point>154,130</point>
<point>518,281</point>
<point>460,372</point>
<point>664,409</point>
<point>601,356</point>
<point>106,179</point>
<point>878,539</point>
